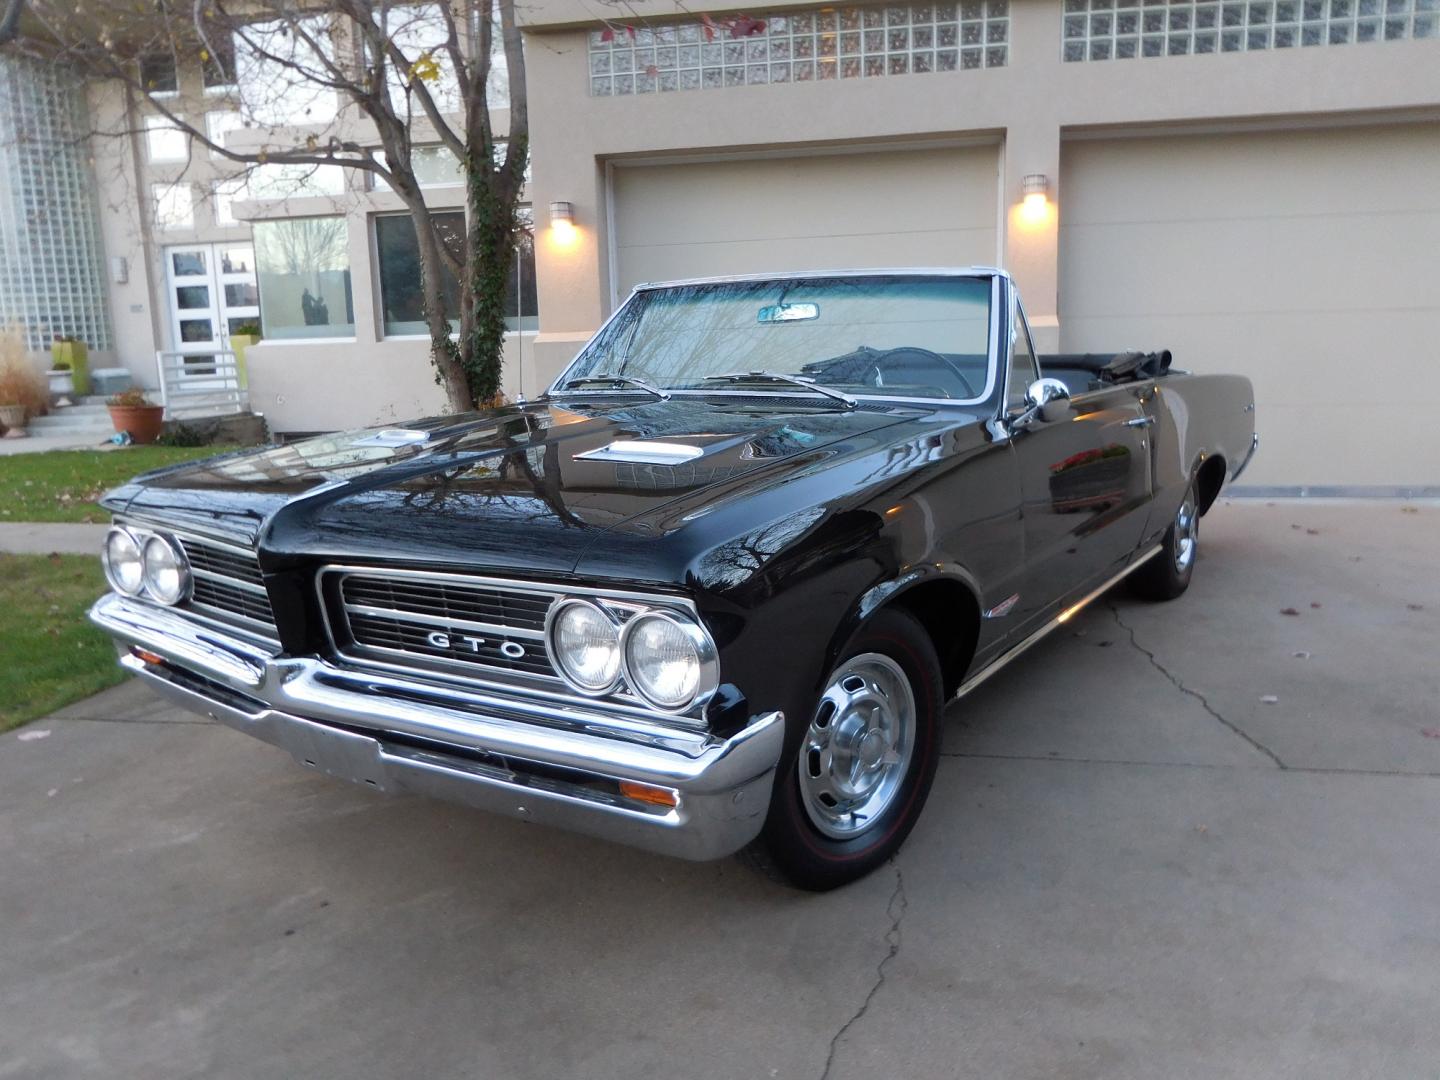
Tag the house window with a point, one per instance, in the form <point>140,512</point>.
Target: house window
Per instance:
<point>157,75</point>
<point>220,123</point>
<point>223,194</point>
<point>1129,29</point>
<point>217,68</point>
<point>398,256</point>
<point>800,46</point>
<point>164,141</point>
<point>276,71</point>
<point>436,166</point>
<point>419,30</point>
<point>174,206</point>
<point>303,266</point>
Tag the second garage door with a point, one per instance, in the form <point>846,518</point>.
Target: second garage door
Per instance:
<point>930,207</point>
<point>1306,260</point>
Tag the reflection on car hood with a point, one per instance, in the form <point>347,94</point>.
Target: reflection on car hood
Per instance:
<point>506,488</point>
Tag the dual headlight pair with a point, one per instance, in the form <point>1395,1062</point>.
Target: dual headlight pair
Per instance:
<point>148,563</point>
<point>663,656</point>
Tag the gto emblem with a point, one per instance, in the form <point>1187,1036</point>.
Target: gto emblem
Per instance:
<point>509,649</point>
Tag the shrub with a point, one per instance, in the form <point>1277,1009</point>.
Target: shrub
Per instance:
<point>20,384</point>
<point>132,398</point>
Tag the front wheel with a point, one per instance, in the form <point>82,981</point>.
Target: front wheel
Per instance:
<point>1167,573</point>
<point>853,787</point>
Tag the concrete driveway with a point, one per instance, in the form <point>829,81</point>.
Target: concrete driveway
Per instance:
<point>1199,839</point>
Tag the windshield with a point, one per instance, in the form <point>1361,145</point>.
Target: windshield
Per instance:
<point>917,336</point>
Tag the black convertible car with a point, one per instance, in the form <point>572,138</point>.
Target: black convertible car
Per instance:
<point>711,592</point>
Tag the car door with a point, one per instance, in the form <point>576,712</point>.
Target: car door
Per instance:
<point>1085,479</point>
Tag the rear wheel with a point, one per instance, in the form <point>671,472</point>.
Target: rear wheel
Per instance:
<point>1167,573</point>
<point>853,787</point>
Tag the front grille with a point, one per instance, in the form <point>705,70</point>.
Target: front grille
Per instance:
<point>445,620</point>
<point>227,586</point>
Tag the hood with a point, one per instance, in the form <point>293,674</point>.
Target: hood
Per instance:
<point>521,488</point>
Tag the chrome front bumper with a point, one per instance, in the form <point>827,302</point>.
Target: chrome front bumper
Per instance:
<point>542,762</point>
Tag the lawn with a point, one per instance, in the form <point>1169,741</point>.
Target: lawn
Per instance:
<point>52,655</point>
<point>62,485</point>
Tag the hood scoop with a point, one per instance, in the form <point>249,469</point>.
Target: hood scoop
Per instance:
<point>643,452</point>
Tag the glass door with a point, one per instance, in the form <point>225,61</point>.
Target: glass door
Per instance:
<point>213,294</point>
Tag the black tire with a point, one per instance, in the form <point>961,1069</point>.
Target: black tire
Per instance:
<point>1167,573</point>
<point>792,847</point>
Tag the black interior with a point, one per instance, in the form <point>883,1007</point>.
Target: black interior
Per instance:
<point>1083,372</point>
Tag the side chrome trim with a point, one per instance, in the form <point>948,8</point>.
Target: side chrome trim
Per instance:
<point>1059,620</point>
<point>1254,445</point>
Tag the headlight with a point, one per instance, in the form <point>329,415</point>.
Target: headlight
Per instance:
<point>167,577</point>
<point>123,564</point>
<point>669,661</point>
<point>584,645</point>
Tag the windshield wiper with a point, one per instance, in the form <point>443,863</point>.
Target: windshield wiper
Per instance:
<point>618,380</point>
<point>780,377</point>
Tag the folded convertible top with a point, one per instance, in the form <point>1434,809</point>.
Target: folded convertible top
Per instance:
<point>1112,367</point>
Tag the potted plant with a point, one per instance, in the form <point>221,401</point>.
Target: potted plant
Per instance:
<point>131,411</point>
<point>22,394</point>
<point>241,338</point>
<point>68,356</point>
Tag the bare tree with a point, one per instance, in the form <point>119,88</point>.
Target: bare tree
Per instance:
<point>405,75</point>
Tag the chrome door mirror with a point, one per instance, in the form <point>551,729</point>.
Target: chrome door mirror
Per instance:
<point>1047,398</point>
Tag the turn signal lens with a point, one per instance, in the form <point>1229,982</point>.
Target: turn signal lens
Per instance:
<point>648,793</point>
<point>124,567</point>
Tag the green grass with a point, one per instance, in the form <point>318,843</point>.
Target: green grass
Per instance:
<point>62,485</point>
<point>51,654</point>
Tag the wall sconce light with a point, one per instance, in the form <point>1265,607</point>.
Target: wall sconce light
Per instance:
<point>1035,204</point>
<point>562,215</point>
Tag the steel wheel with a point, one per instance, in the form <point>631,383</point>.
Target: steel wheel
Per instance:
<point>1187,533</point>
<point>858,746</point>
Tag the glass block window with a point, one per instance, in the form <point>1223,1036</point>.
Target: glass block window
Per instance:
<point>799,46</point>
<point>51,257</point>
<point>1125,29</point>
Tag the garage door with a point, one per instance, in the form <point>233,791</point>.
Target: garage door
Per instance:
<point>1308,260</point>
<point>933,207</point>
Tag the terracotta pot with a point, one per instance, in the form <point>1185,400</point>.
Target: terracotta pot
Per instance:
<point>143,422</point>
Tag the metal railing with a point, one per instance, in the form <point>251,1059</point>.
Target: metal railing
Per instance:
<point>193,385</point>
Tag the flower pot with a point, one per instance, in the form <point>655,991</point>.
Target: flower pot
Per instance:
<point>12,417</point>
<point>62,382</point>
<point>73,354</point>
<point>143,422</point>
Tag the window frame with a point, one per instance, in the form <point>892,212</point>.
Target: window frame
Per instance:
<point>1018,324</point>
<point>158,124</point>
<point>174,74</point>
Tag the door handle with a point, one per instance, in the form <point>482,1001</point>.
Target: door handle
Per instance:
<point>1140,421</point>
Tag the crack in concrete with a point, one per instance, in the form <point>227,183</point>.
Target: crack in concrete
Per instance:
<point>1204,702</point>
<point>896,910</point>
<point>1299,770</point>
<point>125,720</point>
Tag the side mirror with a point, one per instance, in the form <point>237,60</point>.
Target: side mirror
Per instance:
<point>1047,398</point>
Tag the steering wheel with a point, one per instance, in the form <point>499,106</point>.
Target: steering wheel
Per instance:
<point>915,350</point>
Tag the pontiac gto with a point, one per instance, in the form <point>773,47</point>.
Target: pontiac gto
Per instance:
<point>712,591</point>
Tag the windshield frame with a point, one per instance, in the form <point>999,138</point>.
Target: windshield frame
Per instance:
<point>997,324</point>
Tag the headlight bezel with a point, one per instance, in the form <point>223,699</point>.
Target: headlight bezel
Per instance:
<point>625,614</point>
<point>107,562</point>
<point>705,654</point>
<point>182,568</point>
<point>552,623</point>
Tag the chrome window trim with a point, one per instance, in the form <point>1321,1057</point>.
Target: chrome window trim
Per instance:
<point>996,276</point>
<point>525,685</point>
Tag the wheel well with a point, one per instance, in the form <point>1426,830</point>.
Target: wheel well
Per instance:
<point>1209,480</point>
<point>951,616</point>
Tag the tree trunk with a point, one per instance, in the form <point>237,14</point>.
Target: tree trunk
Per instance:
<point>444,352</point>
<point>491,248</point>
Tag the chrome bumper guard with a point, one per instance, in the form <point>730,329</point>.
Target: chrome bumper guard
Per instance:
<point>544,762</point>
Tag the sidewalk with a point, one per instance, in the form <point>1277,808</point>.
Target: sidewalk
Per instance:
<point>36,538</point>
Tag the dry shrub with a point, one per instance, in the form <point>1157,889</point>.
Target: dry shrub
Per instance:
<point>20,383</point>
